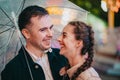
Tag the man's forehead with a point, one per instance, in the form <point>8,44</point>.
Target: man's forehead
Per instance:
<point>46,20</point>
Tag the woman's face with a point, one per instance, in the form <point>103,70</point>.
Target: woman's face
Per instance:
<point>67,41</point>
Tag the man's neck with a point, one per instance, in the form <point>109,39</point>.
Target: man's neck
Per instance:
<point>35,51</point>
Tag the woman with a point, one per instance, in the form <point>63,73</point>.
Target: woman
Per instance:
<point>77,41</point>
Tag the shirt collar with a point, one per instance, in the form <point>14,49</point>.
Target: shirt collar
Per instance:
<point>72,70</point>
<point>34,57</point>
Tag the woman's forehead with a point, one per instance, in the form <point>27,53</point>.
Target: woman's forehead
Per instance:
<point>68,28</point>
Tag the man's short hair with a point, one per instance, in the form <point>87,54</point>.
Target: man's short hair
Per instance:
<point>27,13</point>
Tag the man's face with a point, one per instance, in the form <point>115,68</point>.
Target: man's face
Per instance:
<point>40,32</point>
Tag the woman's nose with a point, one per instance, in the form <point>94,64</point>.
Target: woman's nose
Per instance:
<point>59,39</point>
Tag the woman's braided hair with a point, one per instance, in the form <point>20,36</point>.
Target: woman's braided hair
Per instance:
<point>85,33</point>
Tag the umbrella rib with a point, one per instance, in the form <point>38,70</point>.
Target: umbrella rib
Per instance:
<point>11,38</point>
<point>21,6</point>
<point>1,25</point>
<point>28,65</point>
<point>7,41</point>
<point>6,14</point>
<point>6,30</point>
<point>6,24</point>
<point>16,47</point>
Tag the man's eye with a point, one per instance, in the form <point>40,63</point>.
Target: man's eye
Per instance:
<point>43,29</point>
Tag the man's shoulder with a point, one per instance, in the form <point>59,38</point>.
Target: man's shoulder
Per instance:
<point>14,63</point>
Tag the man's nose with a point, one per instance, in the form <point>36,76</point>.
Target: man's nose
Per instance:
<point>50,32</point>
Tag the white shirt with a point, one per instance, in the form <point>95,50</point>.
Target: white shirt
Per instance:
<point>44,63</point>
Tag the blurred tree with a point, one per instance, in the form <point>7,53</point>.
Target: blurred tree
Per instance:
<point>94,6</point>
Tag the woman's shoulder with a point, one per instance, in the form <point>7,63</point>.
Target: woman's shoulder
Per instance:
<point>90,74</point>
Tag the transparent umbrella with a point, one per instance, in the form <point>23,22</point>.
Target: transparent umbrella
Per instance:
<point>10,39</point>
<point>61,15</point>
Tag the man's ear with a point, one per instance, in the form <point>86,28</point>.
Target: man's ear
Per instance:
<point>26,33</point>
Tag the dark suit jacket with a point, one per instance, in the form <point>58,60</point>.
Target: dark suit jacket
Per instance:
<point>18,69</point>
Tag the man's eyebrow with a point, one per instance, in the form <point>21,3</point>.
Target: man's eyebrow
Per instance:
<point>43,28</point>
<point>46,27</point>
<point>51,26</point>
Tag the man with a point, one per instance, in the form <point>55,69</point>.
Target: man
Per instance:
<point>35,61</point>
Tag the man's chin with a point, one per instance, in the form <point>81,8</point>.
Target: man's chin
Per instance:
<point>47,47</point>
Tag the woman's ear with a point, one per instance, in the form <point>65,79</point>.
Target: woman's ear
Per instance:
<point>86,55</point>
<point>79,43</point>
<point>26,33</point>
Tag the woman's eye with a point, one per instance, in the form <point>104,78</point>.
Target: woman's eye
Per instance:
<point>64,36</point>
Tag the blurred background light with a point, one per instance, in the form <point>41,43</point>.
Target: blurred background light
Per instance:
<point>104,5</point>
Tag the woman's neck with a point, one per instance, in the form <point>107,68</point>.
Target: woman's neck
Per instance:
<point>76,60</point>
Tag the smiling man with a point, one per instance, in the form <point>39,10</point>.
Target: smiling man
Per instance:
<point>36,60</point>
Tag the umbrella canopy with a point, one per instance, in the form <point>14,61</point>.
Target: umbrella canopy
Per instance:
<point>9,38</point>
<point>61,16</point>
<point>11,41</point>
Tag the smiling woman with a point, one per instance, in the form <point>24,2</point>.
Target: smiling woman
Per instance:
<point>77,45</point>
